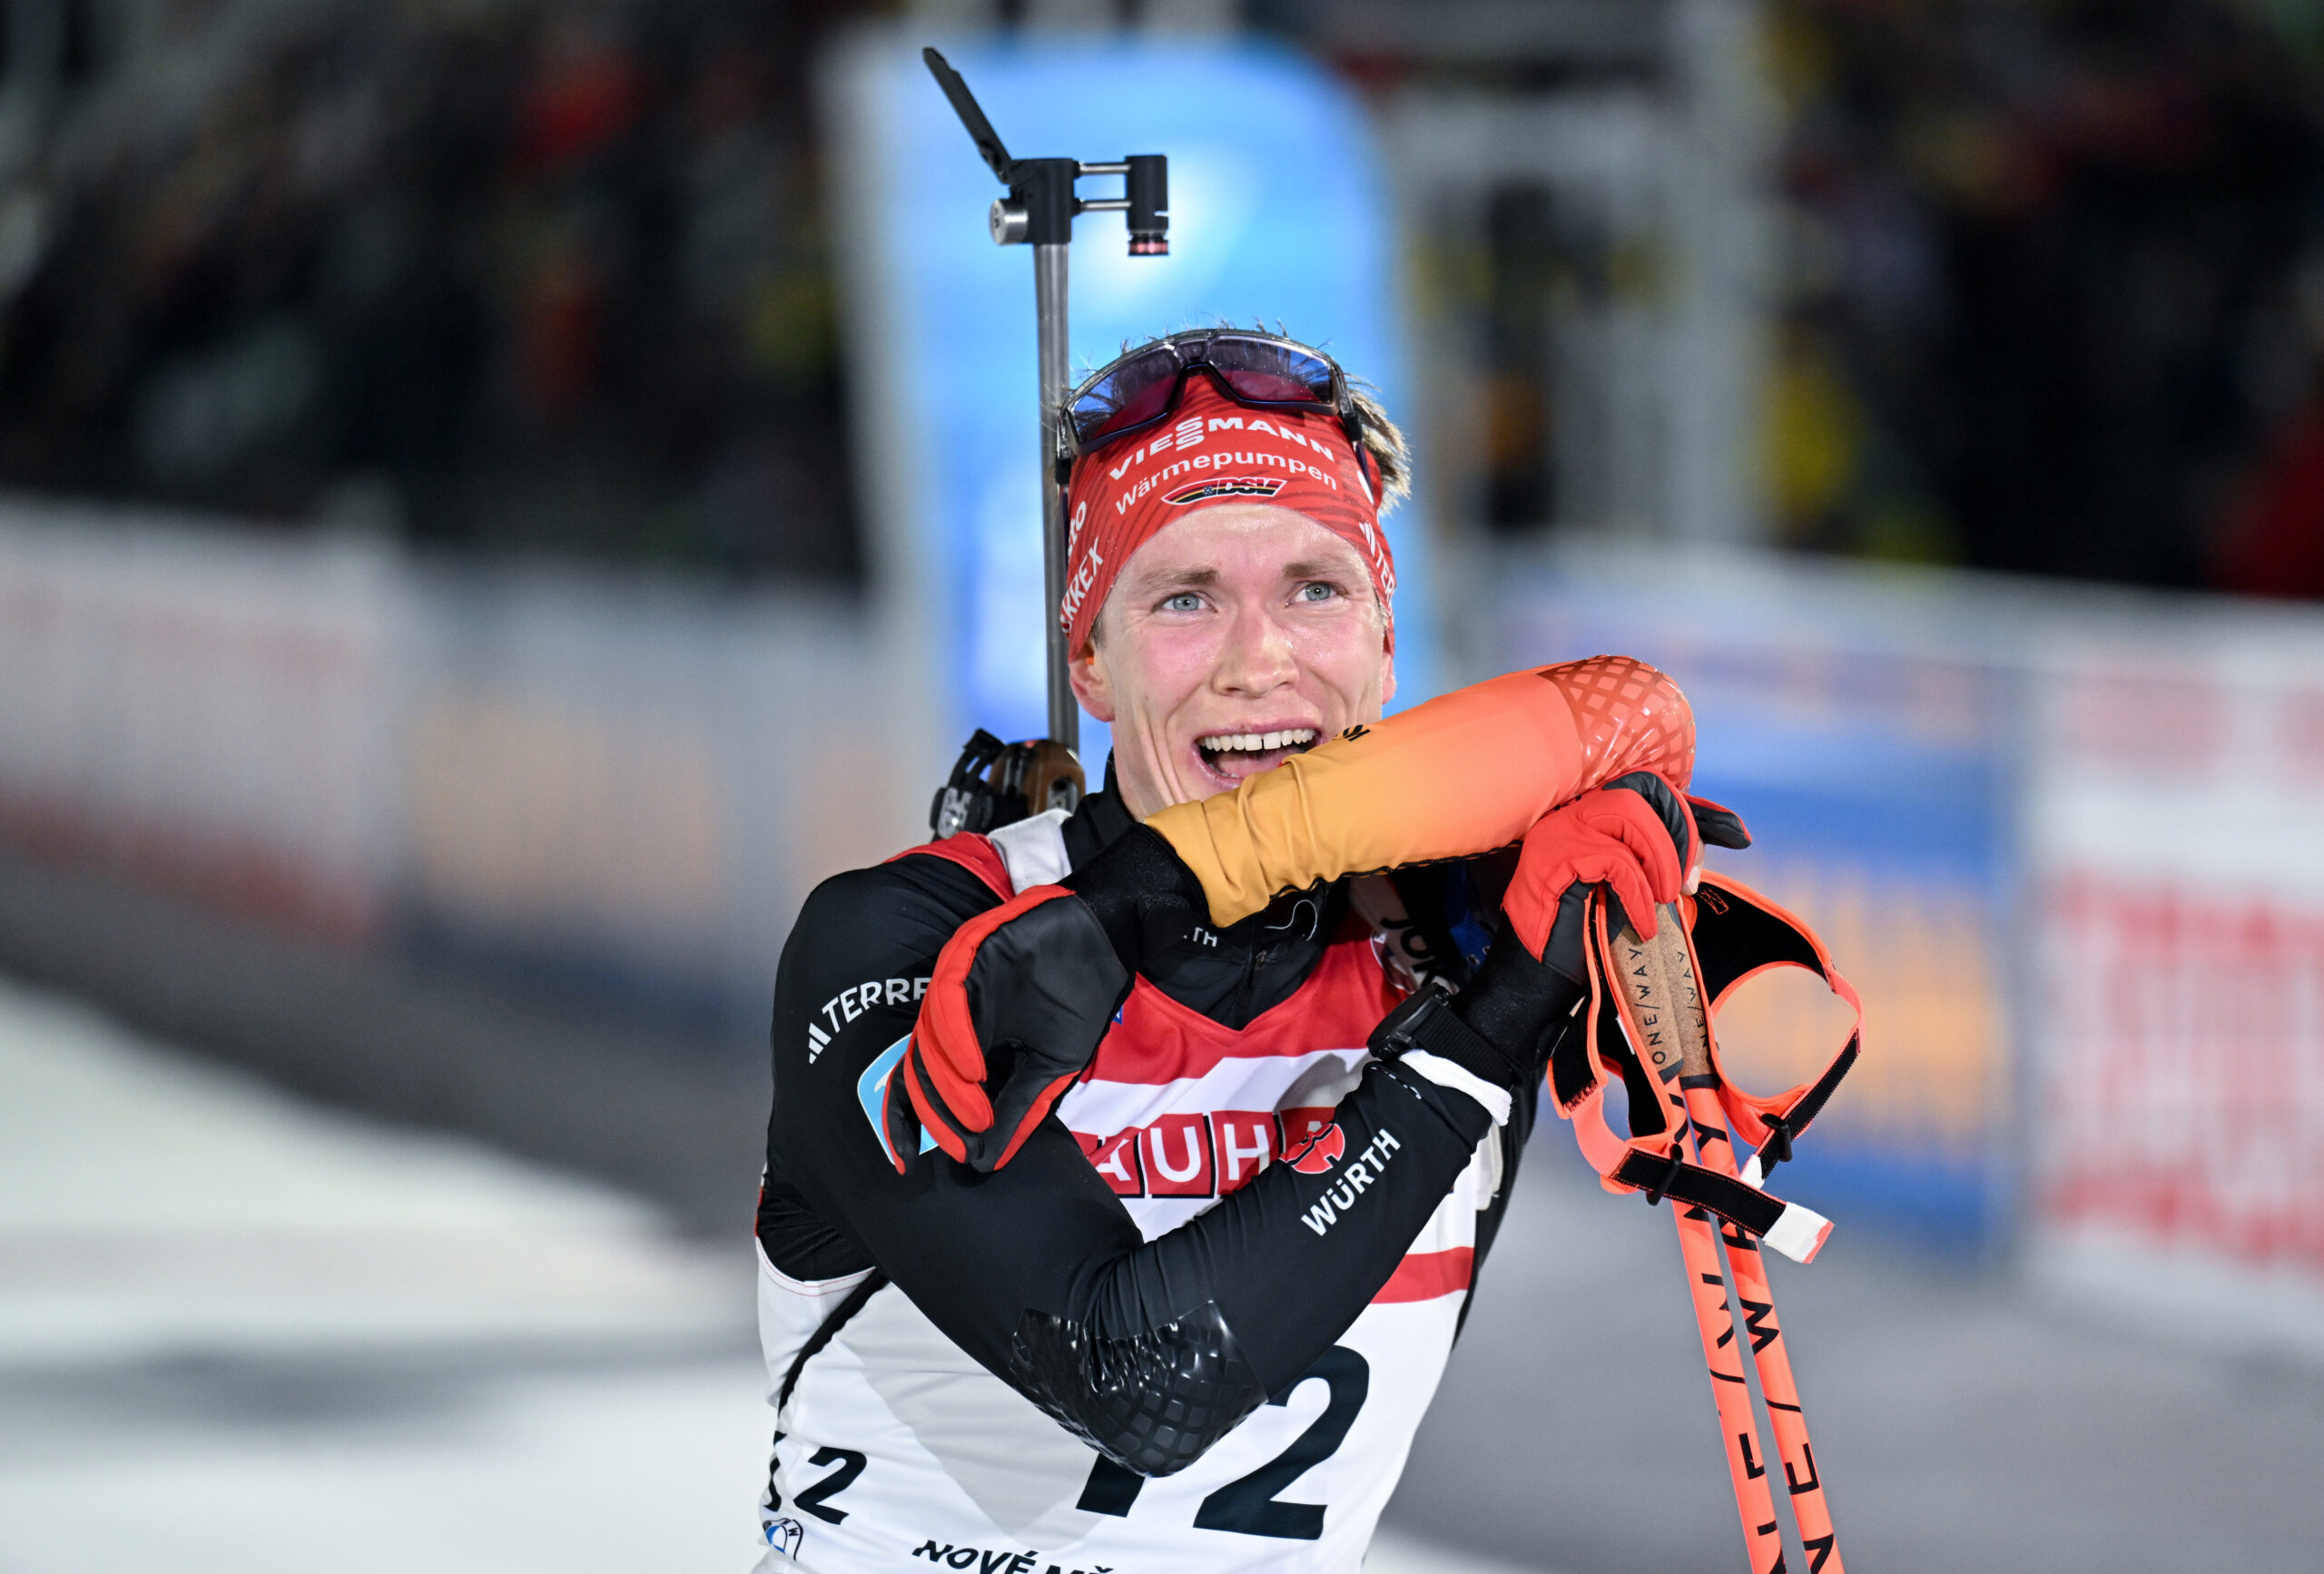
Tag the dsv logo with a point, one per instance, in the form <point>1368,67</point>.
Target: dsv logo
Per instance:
<point>1224,486</point>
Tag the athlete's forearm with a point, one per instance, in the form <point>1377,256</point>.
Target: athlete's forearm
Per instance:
<point>1457,775</point>
<point>1240,1299</point>
<point>1037,1270</point>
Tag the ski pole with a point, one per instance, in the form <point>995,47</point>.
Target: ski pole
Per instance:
<point>1713,1146</point>
<point>1663,991</point>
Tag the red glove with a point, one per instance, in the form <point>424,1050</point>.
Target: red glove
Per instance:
<point>1635,834</point>
<point>1019,998</point>
<point>1022,995</point>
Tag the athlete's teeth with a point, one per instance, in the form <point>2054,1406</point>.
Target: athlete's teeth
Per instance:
<point>1258,743</point>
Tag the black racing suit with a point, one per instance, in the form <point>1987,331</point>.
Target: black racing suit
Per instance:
<point>1036,1270</point>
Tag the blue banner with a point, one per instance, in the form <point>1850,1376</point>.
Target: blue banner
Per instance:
<point>1872,749</point>
<point>1278,215</point>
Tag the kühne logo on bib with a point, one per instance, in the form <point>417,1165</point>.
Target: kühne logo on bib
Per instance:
<point>1323,1150</point>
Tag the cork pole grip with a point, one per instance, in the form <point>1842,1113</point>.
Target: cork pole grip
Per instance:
<point>1666,1002</point>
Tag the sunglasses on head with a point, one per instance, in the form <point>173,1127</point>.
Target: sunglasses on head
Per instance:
<point>1144,388</point>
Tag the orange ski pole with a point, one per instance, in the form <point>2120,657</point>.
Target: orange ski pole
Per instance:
<point>1714,1149</point>
<point>1663,992</point>
<point>1754,1503</point>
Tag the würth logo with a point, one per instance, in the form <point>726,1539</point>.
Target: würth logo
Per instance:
<point>1361,1170</point>
<point>1224,486</point>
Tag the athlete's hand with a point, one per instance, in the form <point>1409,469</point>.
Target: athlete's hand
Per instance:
<point>1636,834</point>
<point>1021,995</point>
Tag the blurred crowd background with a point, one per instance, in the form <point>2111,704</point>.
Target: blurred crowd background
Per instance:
<point>498,496</point>
<point>2045,284</point>
<point>518,276</point>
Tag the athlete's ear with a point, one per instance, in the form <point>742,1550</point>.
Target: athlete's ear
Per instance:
<point>1387,674</point>
<point>1091,685</point>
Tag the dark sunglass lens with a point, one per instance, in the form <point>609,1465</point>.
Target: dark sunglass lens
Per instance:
<point>1257,369</point>
<point>1135,391</point>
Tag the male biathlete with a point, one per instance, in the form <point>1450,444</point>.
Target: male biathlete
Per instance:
<point>1129,1169</point>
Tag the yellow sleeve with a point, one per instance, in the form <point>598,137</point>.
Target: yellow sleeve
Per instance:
<point>1457,775</point>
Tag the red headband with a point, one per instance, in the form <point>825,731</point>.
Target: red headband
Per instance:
<point>1216,451</point>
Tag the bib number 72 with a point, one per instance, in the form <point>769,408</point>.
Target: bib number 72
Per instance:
<point>1247,1504</point>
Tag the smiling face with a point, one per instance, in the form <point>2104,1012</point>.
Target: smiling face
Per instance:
<point>1235,638</point>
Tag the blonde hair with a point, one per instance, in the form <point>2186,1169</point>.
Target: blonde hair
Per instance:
<point>1384,441</point>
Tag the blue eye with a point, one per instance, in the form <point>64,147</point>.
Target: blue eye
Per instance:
<point>1316,590</point>
<point>1184,600</point>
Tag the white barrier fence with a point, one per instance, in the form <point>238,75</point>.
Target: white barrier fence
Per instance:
<point>214,710</point>
<point>635,782</point>
<point>2176,837</point>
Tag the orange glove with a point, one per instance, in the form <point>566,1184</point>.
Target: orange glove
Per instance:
<point>1611,834</point>
<point>1634,834</point>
